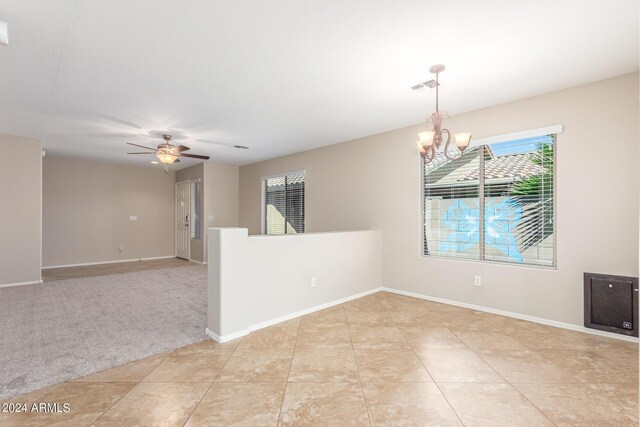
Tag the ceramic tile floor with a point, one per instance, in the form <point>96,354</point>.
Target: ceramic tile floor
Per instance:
<point>384,359</point>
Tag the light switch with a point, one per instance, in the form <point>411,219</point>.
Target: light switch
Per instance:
<point>133,218</point>
<point>210,217</point>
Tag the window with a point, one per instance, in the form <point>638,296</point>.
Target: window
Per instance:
<point>284,204</point>
<point>494,203</point>
<point>196,207</point>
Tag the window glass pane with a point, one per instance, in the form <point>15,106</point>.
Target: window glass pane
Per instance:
<point>284,204</point>
<point>196,206</point>
<point>451,206</point>
<point>519,201</point>
<point>275,205</point>
<point>295,203</point>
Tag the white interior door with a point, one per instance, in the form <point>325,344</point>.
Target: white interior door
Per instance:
<point>183,206</point>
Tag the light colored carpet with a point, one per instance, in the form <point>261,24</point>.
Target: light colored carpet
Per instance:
<point>58,331</point>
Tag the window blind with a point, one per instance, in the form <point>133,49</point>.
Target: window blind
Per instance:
<point>496,202</point>
<point>519,201</point>
<point>451,206</point>
<point>284,204</point>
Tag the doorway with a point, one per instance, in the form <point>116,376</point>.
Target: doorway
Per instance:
<point>183,210</point>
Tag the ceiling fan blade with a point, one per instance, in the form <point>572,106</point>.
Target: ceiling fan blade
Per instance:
<point>183,148</point>
<point>142,146</point>
<point>194,156</point>
<point>150,152</point>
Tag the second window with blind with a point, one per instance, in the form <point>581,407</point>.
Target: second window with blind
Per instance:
<point>494,203</point>
<point>284,203</point>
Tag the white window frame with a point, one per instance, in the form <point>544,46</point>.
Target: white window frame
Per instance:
<point>531,133</point>
<point>263,197</point>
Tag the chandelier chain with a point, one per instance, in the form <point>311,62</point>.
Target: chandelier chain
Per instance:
<point>437,92</point>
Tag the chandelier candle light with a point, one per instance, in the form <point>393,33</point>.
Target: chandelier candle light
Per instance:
<point>429,141</point>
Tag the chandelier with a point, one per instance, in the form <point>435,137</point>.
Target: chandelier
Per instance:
<point>430,141</point>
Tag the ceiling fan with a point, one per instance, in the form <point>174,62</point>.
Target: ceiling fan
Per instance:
<point>168,153</point>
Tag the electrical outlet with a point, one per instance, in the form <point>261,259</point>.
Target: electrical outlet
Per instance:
<point>121,248</point>
<point>477,281</point>
<point>313,282</point>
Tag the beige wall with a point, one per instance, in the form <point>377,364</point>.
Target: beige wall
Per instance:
<point>220,199</point>
<point>278,288</point>
<point>87,207</point>
<point>374,183</point>
<point>20,210</point>
<point>249,291</point>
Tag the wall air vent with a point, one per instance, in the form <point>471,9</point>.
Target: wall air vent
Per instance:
<point>430,83</point>
<point>424,85</point>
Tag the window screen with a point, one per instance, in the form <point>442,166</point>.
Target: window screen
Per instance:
<point>196,206</point>
<point>284,204</point>
<point>495,203</point>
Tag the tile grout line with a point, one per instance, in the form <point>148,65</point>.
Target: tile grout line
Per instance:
<point>364,397</point>
<point>403,334</point>
<point>286,383</point>
<point>211,385</point>
<point>502,376</point>
<point>538,351</point>
<point>114,404</point>
<point>431,376</point>
<point>136,385</point>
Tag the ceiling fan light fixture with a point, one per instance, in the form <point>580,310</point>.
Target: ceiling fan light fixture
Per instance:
<point>166,158</point>
<point>168,153</point>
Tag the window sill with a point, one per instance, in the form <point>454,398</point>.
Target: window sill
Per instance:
<point>490,262</point>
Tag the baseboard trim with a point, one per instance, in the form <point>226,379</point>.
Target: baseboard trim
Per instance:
<point>310,310</point>
<point>281,319</point>
<point>108,262</point>
<point>197,262</point>
<point>9,285</point>
<point>511,314</point>
<point>225,338</point>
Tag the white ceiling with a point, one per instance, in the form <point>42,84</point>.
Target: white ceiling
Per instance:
<point>283,76</point>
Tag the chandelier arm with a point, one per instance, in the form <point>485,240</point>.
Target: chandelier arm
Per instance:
<point>446,146</point>
<point>425,155</point>
<point>452,158</point>
<point>433,152</point>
